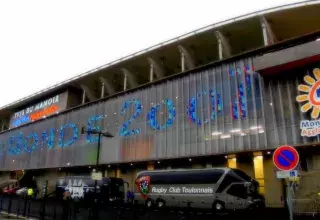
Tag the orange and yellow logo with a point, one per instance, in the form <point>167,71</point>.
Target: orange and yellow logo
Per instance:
<point>311,97</point>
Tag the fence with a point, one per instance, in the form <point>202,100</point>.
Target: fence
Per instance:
<point>52,209</point>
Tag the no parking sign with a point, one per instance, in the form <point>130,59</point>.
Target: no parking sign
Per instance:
<point>286,158</point>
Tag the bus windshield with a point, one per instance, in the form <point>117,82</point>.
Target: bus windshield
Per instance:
<point>116,188</point>
<point>242,175</point>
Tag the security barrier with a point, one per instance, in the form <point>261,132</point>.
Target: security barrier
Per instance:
<point>52,209</point>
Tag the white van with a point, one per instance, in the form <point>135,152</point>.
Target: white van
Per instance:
<point>216,188</point>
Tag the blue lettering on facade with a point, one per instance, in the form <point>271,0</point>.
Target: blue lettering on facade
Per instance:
<point>49,138</point>
<point>93,138</point>
<point>35,139</point>
<point>151,117</point>
<point>124,129</point>
<point>68,133</point>
<point>62,141</point>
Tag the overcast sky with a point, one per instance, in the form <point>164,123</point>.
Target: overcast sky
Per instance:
<point>45,42</point>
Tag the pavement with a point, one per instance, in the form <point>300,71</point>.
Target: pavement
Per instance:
<point>5,216</point>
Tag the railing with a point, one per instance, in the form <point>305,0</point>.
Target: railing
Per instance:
<point>305,207</point>
<point>53,209</point>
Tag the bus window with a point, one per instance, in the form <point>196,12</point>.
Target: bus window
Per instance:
<point>228,179</point>
<point>238,190</point>
<point>185,177</point>
<point>116,188</point>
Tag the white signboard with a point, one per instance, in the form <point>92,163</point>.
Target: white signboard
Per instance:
<point>283,174</point>
<point>96,175</point>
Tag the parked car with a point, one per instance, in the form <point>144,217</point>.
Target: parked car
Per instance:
<point>10,190</point>
<point>22,191</point>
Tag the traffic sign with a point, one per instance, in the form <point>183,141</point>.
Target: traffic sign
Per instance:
<point>283,174</point>
<point>285,158</point>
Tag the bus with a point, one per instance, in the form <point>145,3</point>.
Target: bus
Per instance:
<point>82,188</point>
<point>219,189</point>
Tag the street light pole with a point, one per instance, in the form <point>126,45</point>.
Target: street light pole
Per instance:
<point>104,134</point>
<point>97,164</point>
<point>98,150</point>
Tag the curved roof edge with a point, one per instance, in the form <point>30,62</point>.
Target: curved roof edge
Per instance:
<point>189,34</point>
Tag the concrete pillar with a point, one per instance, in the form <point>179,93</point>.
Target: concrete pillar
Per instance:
<point>129,78</point>
<point>267,32</point>
<point>2,126</point>
<point>183,67</point>
<point>208,165</point>
<point>83,96</point>
<point>264,34</point>
<point>224,47</point>
<point>88,93</point>
<point>197,166</point>
<point>150,166</point>
<point>187,59</point>
<point>274,190</point>
<point>155,68</point>
<point>125,81</point>
<point>220,49</point>
<point>108,87</point>
<point>232,161</point>
<point>151,73</point>
<point>258,170</point>
<point>102,90</point>
<point>118,173</point>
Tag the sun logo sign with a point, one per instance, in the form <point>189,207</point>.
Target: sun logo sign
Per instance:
<point>310,100</point>
<point>143,186</point>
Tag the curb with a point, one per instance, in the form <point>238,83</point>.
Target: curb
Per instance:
<point>15,215</point>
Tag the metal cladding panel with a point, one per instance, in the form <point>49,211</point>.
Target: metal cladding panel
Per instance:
<point>284,114</point>
<point>216,110</point>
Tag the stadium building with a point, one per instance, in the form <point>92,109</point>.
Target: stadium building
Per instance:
<point>224,95</point>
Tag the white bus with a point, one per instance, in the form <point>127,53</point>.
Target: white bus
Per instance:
<point>219,189</point>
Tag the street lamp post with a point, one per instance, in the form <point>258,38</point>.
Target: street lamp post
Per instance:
<point>104,134</point>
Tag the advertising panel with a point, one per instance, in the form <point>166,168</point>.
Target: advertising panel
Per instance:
<point>39,110</point>
<point>309,97</point>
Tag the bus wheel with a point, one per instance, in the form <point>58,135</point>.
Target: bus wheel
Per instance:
<point>218,206</point>
<point>160,203</point>
<point>149,204</point>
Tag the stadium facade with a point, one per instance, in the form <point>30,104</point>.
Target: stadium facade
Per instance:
<point>224,95</point>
